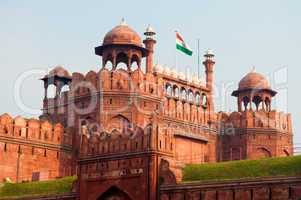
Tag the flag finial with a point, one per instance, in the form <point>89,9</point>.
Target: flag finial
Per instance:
<point>123,22</point>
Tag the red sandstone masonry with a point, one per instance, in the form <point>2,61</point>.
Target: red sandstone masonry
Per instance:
<point>274,188</point>
<point>171,115</point>
<point>29,147</point>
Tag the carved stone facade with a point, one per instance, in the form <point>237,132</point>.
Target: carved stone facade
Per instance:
<point>134,129</point>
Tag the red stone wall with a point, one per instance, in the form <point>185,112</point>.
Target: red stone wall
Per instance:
<point>30,147</point>
<point>130,175</point>
<point>255,134</point>
<point>190,151</point>
<point>256,189</point>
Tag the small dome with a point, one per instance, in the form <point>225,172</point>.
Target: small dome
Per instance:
<point>166,71</point>
<point>174,73</point>
<point>195,80</point>
<point>254,80</point>
<point>158,68</point>
<point>59,71</point>
<point>182,76</point>
<point>122,34</point>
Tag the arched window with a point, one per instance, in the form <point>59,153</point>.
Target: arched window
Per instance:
<point>183,94</point>
<point>121,61</point>
<point>198,99</point>
<point>109,65</point>
<point>257,100</point>
<point>134,66</point>
<point>51,91</point>
<point>176,91</point>
<point>204,100</point>
<point>267,102</point>
<point>190,96</point>
<point>246,102</point>
<point>134,62</point>
<point>168,89</point>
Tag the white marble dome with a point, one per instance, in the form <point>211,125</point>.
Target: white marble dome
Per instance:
<point>158,68</point>
<point>182,76</point>
<point>166,71</point>
<point>174,73</point>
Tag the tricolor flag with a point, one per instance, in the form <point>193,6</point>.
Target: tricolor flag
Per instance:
<point>181,45</point>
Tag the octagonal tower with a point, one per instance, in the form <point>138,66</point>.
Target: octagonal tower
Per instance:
<point>255,131</point>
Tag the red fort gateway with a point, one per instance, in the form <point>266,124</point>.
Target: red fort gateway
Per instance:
<point>128,128</point>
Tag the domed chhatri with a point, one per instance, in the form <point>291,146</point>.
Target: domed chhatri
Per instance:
<point>59,71</point>
<point>254,88</point>
<point>254,80</point>
<point>124,45</point>
<point>122,34</point>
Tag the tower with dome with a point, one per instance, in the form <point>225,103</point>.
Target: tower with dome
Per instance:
<point>131,127</point>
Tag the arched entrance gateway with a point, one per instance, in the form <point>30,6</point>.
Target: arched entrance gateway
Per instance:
<point>114,194</point>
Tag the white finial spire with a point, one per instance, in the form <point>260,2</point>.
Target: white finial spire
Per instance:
<point>209,53</point>
<point>123,22</point>
<point>150,32</point>
<point>253,69</point>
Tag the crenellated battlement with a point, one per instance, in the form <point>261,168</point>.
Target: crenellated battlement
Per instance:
<point>257,119</point>
<point>33,130</point>
<point>130,140</point>
<point>117,81</point>
<point>153,84</point>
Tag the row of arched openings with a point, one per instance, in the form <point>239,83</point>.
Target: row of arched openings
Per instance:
<point>186,95</point>
<point>256,103</point>
<point>122,61</point>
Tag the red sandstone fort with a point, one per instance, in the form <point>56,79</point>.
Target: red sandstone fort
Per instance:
<point>122,130</point>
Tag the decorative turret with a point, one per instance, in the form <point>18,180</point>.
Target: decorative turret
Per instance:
<point>121,45</point>
<point>209,64</point>
<point>149,45</point>
<point>58,77</point>
<point>254,88</point>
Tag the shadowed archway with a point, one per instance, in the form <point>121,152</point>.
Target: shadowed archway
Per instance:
<point>114,193</point>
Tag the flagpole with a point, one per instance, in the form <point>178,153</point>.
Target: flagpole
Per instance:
<point>198,57</point>
<point>176,66</point>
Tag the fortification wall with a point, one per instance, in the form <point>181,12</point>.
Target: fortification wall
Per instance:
<point>255,134</point>
<point>258,119</point>
<point>252,189</point>
<point>33,150</point>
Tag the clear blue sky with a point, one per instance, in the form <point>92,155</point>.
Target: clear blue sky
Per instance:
<point>265,34</point>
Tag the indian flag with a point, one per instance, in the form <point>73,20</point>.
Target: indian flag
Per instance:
<point>181,45</point>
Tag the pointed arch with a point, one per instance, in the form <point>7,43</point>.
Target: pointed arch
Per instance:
<point>257,100</point>
<point>176,92</point>
<point>114,193</point>
<point>119,123</point>
<point>108,62</point>
<point>168,89</point>
<point>246,102</point>
<point>51,91</point>
<point>263,152</point>
<point>122,61</point>
<point>135,62</point>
